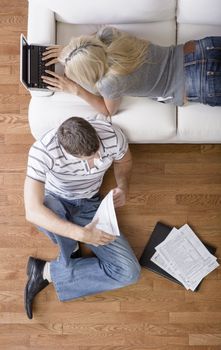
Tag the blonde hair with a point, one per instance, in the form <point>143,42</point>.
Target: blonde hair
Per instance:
<point>88,59</point>
<point>85,60</point>
<point>126,54</point>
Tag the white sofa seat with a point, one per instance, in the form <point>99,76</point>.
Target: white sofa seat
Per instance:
<point>143,120</point>
<point>156,125</point>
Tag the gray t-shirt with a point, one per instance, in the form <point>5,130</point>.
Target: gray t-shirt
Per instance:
<point>161,77</point>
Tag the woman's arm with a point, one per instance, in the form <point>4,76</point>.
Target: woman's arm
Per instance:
<point>102,105</point>
<point>112,105</point>
<point>58,83</point>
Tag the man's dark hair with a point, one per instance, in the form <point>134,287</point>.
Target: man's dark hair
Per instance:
<point>78,137</point>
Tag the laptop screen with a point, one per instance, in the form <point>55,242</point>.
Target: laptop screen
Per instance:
<point>24,61</point>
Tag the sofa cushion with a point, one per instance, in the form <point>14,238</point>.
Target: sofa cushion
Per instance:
<point>145,121</point>
<point>158,120</point>
<point>115,11</point>
<point>199,123</point>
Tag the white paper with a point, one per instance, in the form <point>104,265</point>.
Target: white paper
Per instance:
<point>184,257</point>
<point>106,216</point>
<point>163,264</point>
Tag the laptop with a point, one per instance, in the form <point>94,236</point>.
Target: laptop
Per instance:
<point>31,65</point>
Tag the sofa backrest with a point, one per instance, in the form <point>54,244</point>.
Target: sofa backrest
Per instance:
<point>110,11</point>
<point>203,12</point>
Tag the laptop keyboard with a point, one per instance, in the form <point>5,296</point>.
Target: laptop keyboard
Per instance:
<point>42,67</point>
<point>37,67</point>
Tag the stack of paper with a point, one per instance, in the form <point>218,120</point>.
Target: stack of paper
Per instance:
<point>184,257</point>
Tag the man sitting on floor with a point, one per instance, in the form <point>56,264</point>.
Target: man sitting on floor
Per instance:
<point>64,175</point>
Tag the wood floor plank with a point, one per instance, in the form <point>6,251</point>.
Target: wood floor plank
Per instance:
<point>16,340</point>
<point>198,317</point>
<point>205,339</point>
<point>108,306</point>
<point>35,329</point>
<point>150,346</point>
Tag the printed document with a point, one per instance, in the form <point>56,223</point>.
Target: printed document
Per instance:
<point>184,257</point>
<point>106,216</point>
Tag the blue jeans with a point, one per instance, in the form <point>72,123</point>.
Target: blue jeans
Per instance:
<point>113,266</point>
<point>203,72</point>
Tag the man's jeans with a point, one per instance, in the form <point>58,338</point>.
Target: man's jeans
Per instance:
<point>113,266</point>
<point>203,72</point>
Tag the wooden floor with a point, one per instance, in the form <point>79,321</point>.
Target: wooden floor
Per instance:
<point>174,184</point>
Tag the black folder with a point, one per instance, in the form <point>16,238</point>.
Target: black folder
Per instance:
<point>158,235</point>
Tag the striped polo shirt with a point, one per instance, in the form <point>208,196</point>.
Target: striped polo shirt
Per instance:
<point>70,177</point>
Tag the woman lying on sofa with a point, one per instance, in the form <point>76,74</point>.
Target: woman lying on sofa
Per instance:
<point>103,67</point>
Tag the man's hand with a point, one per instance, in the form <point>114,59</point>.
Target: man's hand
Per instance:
<point>119,197</point>
<point>52,53</point>
<point>94,236</point>
<point>60,83</point>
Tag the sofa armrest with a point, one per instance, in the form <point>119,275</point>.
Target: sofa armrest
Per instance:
<point>41,30</point>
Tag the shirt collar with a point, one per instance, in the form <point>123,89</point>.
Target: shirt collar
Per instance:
<point>69,156</point>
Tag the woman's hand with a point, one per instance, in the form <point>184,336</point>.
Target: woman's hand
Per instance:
<point>60,83</point>
<point>52,53</point>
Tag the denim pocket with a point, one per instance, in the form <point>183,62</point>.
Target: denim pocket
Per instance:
<point>213,77</point>
<point>191,82</point>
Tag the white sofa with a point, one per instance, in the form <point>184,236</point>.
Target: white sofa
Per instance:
<point>164,22</point>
